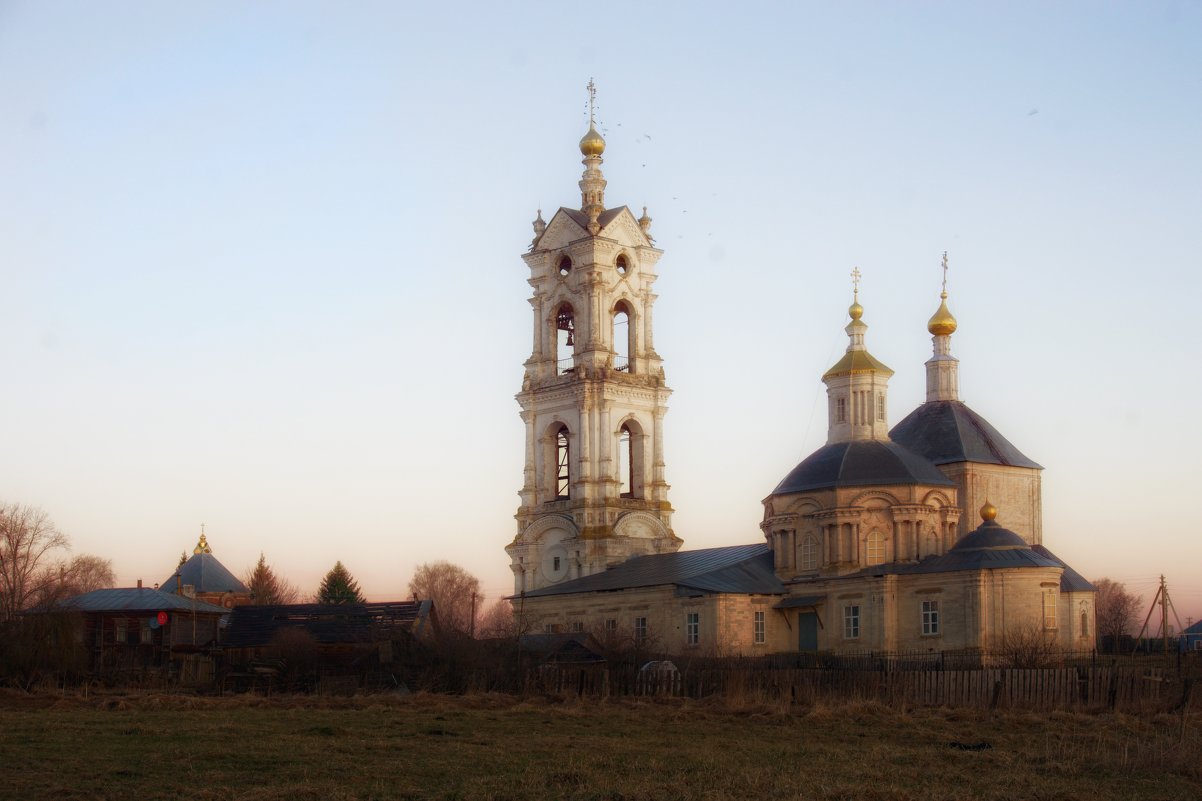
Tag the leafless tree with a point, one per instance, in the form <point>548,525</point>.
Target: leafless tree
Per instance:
<point>454,591</point>
<point>1115,610</point>
<point>498,620</point>
<point>29,543</point>
<point>267,588</point>
<point>84,573</point>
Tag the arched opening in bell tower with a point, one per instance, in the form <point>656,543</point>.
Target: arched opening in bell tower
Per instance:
<point>565,339</point>
<point>563,462</point>
<point>630,460</point>
<point>621,337</point>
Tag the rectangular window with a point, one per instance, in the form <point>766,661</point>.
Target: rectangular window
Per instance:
<point>1049,609</point>
<point>880,407</point>
<point>611,626</point>
<point>121,629</point>
<point>851,622</point>
<point>577,627</point>
<point>147,634</point>
<point>692,622</point>
<point>758,634</point>
<point>841,410</point>
<point>930,617</point>
<point>640,630</point>
<point>809,553</point>
<point>555,563</point>
<point>549,628</point>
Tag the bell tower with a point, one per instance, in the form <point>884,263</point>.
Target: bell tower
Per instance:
<point>593,395</point>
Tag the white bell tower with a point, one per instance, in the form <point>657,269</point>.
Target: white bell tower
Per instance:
<point>593,396</point>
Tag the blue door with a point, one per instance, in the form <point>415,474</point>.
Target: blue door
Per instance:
<point>807,631</point>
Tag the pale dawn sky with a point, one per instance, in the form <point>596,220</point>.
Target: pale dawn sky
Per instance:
<point>260,262</point>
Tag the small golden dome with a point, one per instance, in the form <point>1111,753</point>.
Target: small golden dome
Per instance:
<point>942,323</point>
<point>856,310</point>
<point>591,144</point>
<point>988,512</point>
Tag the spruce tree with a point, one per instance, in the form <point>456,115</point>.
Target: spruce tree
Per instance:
<point>339,587</point>
<point>266,587</point>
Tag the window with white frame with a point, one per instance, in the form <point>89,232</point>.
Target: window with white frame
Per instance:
<point>874,548</point>
<point>611,626</point>
<point>146,633</point>
<point>930,617</point>
<point>577,627</point>
<point>758,633</point>
<point>640,630</point>
<point>809,553</point>
<point>1049,609</point>
<point>851,622</point>
<point>841,410</point>
<point>692,627</point>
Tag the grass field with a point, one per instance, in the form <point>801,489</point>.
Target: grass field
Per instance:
<point>496,747</point>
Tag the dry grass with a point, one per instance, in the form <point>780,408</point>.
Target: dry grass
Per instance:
<point>499,747</point>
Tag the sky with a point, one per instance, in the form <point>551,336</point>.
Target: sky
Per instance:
<point>260,262</point>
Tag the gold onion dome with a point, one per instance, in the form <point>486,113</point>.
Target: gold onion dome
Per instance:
<point>942,323</point>
<point>855,310</point>
<point>988,512</point>
<point>591,144</point>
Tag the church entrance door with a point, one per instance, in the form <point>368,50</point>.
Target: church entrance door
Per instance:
<point>807,631</point>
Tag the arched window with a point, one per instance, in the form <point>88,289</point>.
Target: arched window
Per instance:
<point>625,463</point>
<point>874,550</point>
<point>565,266</point>
<point>563,461</point>
<point>621,332</point>
<point>622,265</point>
<point>809,553</point>
<point>565,341</point>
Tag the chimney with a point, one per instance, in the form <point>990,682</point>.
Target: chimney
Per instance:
<point>139,584</point>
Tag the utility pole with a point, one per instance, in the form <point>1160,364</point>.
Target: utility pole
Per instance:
<point>472,626</point>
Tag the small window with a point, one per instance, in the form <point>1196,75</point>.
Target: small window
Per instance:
<point>758,634</point>
<point>146,633</point>
<point>1084,624</point>
<point>577,627</point>
<point>565,266</point>
<point>809,553</point>
<point>841,410</point>
<point>549,628</point>
<point>930,617</point>
<point>692,628</point>
<point>121,628</point>
<point>611,626</point>
<point>622,265</point>
<point>1049,609</point>
<point>555,564</point>
<point>851,622</point>
<point>640,630</point>
<point>880,406</point>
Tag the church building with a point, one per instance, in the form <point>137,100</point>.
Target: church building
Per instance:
<point>881,540</point>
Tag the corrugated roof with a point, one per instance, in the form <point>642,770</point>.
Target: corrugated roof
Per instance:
<point>860,463</point>
<point>205,574</point>
<point>735,568</point>
<point>137,599</point>
<point>257,626</point>
<point>949,431</point>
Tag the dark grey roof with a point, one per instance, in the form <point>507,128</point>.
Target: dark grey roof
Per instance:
<point>137,599</point>
<point>575,648</point>
<point>735,568</point>
<point>860,463</point>
<point>257,626</point>
<point>1070,580</point>
<point>1194,629</point>
<point>989,536</point>
<point>581,219</point>
<point>205,574</point>
<point>948,431</point>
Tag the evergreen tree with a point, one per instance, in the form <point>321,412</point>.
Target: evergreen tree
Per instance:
<point>339,587</point>
<point>183,557</point>
<point>267,588</point>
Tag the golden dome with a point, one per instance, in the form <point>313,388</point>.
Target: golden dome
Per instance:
<point>942,323</point>
<point>591,144</point>
<point>855,310</point>
<point>988,511</point>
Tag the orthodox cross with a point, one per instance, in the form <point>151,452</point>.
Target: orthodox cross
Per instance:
<point>945,273</point>
<point>855,283</point>
<point>592,97</point>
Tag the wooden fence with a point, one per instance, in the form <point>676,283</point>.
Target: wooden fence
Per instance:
<point>1039,689</point>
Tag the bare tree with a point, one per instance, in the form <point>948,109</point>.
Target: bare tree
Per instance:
<point>28,544</point>
<point>497,620</point>
<point>84,573</point>
<point>1115,610</point>
<point>267,588</point>
<point>454,591</point>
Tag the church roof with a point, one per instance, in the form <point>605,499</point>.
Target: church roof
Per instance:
<point>860,463</point>
<point>205,574</point>
<point>1070,580</point>
<point>581,218</point>
<point>735,569</point>
<point>948,431</point>
<point>857,361</point>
